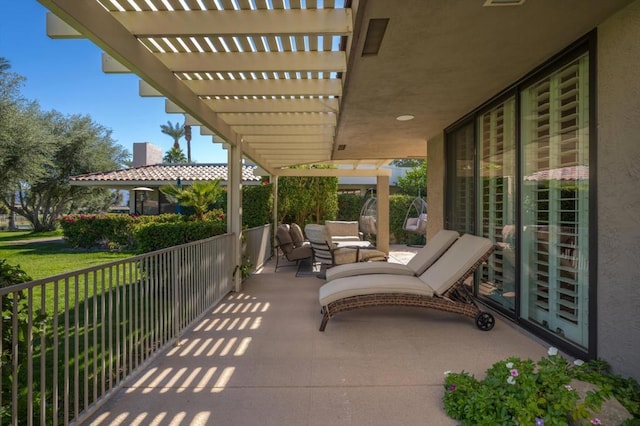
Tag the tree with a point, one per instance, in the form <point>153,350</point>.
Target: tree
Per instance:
<point>174,156</point>
<point>406,162</point>
<point>415,181</point>
<point>22,151</point>
<point>307,199</point>
<point>76,146</point>
<point>200,195</point>
<point>175,132</point>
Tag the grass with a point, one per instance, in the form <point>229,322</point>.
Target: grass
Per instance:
<point>27,235</point>
<point>41,259</point>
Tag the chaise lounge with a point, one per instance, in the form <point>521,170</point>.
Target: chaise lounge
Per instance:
<point>440,287</point>
<point>416,266</point>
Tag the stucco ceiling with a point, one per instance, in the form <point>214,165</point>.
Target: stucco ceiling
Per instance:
<point>287,79</point>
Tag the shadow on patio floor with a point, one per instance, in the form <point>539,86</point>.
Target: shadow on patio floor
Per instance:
<point>259,359</point>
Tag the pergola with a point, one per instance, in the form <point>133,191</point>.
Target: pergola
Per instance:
<point>290,82</point>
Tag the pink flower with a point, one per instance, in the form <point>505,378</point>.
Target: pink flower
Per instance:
<point>514,373</point>
<point>452,388</point>
<point>596,421</point>
<point>568,387</point>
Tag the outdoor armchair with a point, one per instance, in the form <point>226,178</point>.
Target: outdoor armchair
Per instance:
<point>293,250</point>
<point>328,253</point>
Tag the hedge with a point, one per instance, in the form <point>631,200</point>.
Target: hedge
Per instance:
<point>155,236</point>
<point>349,206</point>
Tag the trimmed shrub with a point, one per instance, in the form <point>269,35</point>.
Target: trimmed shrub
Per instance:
<point>155,236</point>
<point>86,231</point>
<point>257,205</point>
<point>398,206</point>
<point>349,206</point>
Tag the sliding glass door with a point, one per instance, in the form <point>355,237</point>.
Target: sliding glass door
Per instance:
<point>555,194</point>
<point>518,174</point>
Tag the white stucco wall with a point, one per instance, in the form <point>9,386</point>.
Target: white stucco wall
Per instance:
<point>618,176</point>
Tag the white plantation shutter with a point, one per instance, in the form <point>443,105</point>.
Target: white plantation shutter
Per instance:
<point>555,140</point>
<point>496,214</point>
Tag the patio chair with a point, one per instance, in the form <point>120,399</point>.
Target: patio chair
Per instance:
<point>328,253</point>
<point>440,287</point>
<point>416,266</point>
<point>293,250</point>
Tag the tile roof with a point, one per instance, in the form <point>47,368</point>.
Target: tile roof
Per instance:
<point>167,173</point>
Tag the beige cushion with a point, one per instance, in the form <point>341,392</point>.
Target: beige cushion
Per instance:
<point>284,238</point>
<point>364,268</point>
<point>371,255</point>
<point>372,284</point>
<point>416,266</point>
<point>342,228</point>
<point>345,255</point>
<point>466,251</point>
<point>434,248</point>
<point>296,235</point>
<point>342,239</point>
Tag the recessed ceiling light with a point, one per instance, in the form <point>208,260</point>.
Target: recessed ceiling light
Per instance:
<point>405,117</point>
<point>503,3</point>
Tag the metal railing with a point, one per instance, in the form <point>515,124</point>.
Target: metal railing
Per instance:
<point>258,246</point>
<point>69,341</point>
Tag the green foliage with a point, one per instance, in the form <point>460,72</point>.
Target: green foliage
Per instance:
<point>86,231</point>
<point>174,156</point>
<point>626,390</point>
<point>398,206</point>
<point>257,205</point>
<point>175,132</point>
<point>200,195</point>
<point>516,391</point>
<point>245,268</point>
<point>415,181</point>
<point>15,308</point>
<point>306,199</point>
<point>407,162</point>
<point>155,236</point>
<point>25,151</point>
<point>349,206</point>
<point>40,150</point>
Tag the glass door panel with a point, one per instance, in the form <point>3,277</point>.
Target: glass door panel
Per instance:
<point>497,202</point>
<point>460,179</point>
<point>555,196</point>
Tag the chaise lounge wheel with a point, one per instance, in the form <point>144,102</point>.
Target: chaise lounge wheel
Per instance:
<point>485,321</point>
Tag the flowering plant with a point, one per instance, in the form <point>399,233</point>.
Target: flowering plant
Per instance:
<point>517,391</point>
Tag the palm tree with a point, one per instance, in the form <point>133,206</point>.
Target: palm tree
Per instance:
<point>175,132</point>
<point>200,195</point>
<point>174,156</point>
<point>187,137</point>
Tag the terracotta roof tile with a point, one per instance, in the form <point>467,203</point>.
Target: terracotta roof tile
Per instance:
<point>168,173</point>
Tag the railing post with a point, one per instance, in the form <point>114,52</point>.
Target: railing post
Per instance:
<point>176,278</point>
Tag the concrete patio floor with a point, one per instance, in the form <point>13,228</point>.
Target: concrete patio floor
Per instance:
<point>259,359</point>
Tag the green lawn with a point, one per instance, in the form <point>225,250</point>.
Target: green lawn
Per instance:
<point>48,258</point>
<point>27,235</point>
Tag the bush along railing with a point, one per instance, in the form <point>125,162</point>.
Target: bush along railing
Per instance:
<point>69,341</point>
<point>142,233</point>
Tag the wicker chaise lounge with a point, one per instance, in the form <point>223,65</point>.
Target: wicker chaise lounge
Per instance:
<point>423,259</point>
<point>440,287</point>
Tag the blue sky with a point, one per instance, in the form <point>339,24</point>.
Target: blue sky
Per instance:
<point>66,75</point>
